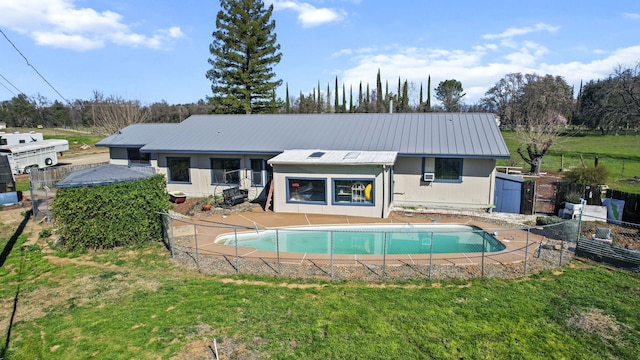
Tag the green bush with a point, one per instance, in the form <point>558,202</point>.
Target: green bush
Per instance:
<point>588,175</point>
<point>108,216</point>
<point>44,233</point>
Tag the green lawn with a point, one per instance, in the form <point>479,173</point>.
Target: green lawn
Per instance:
<point>137,304</point>
<point>619,154</point>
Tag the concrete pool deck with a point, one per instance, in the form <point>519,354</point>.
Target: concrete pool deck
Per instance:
<point>202,231</point>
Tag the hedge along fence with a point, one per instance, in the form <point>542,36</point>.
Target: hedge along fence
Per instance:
<point>107,216</point>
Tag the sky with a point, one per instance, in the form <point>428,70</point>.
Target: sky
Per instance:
<point>157,50</point>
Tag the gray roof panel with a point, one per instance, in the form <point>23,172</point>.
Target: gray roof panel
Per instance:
<point>420,134</point>
<point>137,135</point>
<point>104,175</point>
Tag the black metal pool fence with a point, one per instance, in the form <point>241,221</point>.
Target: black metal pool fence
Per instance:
<point>529,250</point>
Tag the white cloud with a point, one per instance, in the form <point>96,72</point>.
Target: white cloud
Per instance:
<point>632,16</point>
<point>513,32</point>
<point>61,23</point>
<point>477,68</point>
<point>309,15</point>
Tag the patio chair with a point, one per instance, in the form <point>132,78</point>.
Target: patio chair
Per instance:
<point>603,234</point>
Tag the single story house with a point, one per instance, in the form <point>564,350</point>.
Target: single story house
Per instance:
<point>356,164</point>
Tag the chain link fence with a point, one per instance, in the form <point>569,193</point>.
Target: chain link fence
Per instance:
<point>42,187</point>
<point>385,254</point>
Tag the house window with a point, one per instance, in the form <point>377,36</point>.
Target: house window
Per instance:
<point>353,192</point>
<point>225,171</point>
<point>178,169</point>
<point>448,169</point>
<point>136,157</point>
<point>307,190</point>
<point>257,168</point>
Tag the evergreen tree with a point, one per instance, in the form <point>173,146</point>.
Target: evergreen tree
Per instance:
<point>405,96</point>
<point>380,105</point>
<point>336,104</point>
<point>428,108</point>
<point>360,98</point>
<point>244,52</point>
<point>344,100</point>
<point>287,104</point>
<point>350,98</point>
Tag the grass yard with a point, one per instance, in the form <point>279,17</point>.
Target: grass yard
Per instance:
<point>127,304</point>
<point>619,154</point>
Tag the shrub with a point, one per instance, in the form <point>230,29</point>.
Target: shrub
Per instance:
<point>573,198</point>
<point>108,216</point>
<point>44,233</point>
<point>589,175</point>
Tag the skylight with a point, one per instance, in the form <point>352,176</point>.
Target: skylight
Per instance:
<point>316,154</point>
<point>352,155</point>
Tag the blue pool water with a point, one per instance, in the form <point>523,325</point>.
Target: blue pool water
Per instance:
<point>369,239</point>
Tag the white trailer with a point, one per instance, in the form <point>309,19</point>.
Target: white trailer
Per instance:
<point>41,154</point>
<point>16,138</point>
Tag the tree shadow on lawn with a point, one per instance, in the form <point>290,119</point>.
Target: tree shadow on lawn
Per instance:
<point>3,258</point>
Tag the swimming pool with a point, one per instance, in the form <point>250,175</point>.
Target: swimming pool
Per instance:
<point>369,239</point>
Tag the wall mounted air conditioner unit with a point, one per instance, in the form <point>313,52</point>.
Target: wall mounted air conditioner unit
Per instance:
<point>428,177</point>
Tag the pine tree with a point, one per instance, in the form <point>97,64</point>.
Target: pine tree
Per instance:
<point>244,52</point>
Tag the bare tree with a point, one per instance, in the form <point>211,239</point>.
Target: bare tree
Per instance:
<point>115,113</point>
<point>541,115</point>
<point>501,98</point>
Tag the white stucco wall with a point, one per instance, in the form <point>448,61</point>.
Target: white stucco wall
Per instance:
<point>474,191</point>
<point>329,173</point>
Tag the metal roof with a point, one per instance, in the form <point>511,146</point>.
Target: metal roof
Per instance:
<point>104,175</point>
<point>419,134</point>
<point>137,134</point>
<point>333,157</point>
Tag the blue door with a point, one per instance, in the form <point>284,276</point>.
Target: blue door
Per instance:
<point>508,194</point>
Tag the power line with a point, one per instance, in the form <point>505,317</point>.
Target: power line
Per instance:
<point>33,67</point>
<point>7,80</point>
<point>9,90</point>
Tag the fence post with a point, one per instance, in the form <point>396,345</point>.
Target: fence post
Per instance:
<point>384,256</point>
<point>278,251</point>
<point>526,252</point>
<point>173,255</point>
<point>484,239</point>
<point>431,256</point>
<point>331,253</point>
<point>235,235</point>
<point>195,236</point>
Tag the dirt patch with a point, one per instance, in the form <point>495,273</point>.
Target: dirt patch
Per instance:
<point>594,321</point>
